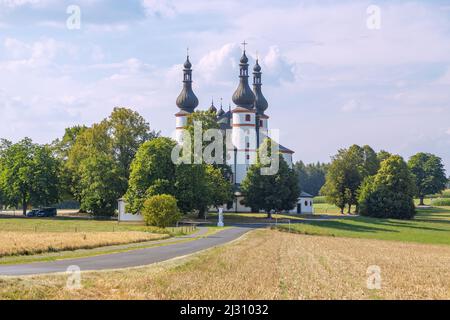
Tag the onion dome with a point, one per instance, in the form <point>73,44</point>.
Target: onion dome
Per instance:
<point>243,96</point>
<point>212,108</point>
<point>220,112</point>
<point>187,100</point>
<point>261,103</point>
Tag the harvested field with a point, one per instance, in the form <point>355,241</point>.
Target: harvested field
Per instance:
<point>265,264</point>
<point>27,243</point>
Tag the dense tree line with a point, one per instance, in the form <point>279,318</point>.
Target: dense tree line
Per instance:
<point>311,177</point>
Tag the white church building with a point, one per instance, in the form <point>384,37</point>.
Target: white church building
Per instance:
<point>247,120</point>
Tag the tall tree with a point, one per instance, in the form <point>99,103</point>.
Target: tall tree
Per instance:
<point>128,131</point>
<point>278,192</point>
<point>29,175</point>
<point>389,194</point>
<point>429,174</point>
<point>152,172</point>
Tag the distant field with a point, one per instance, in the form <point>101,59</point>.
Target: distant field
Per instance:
<point>431,225</point>
<point>265,264</point>
<point>61,224</point>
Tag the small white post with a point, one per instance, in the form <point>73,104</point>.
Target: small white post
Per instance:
<point>220,222</point>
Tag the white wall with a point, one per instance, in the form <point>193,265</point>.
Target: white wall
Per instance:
<point>123,216</point>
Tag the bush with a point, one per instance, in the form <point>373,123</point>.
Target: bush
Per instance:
<point>161,211</point>
<point>389,194</point>
<point>441,202</point>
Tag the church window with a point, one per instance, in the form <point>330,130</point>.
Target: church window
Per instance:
<point>261,123</point>
<point>247,117</point>
<point>248,157</point>
<point>248,144</point>
<point>306,203</point>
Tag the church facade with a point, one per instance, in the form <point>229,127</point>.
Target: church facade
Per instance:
<point>248,121</point>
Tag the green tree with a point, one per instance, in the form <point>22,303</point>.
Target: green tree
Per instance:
<point>128,130</point>
<point>429,174</point>
<point>278,192</point>
<point>114,141</point>
<point>390,193</point>
<point>219,189</point>
<point>349,168</point>
<point>29,175</point>
<point>161,210</point>
<point>152,172</point>
<point>311,176</point>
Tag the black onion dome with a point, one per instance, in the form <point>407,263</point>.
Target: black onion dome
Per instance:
<point>212,108</point>
<point>257,67</point>
<point>187,100</point>
<point>243,96</point>
<point>220,112</point>
<point>261,103</point>
<point>187,64</point>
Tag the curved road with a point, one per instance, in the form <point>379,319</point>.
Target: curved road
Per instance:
<point>132,258</point>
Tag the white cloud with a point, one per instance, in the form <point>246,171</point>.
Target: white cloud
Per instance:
<point>162,8</point>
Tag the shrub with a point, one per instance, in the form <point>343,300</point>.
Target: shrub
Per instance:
<point>389,194</point>
<point>161,211</point>
<point>441,202</point>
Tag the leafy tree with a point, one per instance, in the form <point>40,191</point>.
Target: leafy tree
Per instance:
<point>278,192</point>
<point>220,189</point>
<point>161,210</point>
<point>389,194</point>
<point>152,172</point>
<point>198,185</point>
<point>429,174</point>
<point>99,181</point>
<point>29,174</point>
<point>128,130</point>
<point>114,141</point>
<point>383,155</point>
<point>349,168</point>
<point>193,188</point>
<point>311,176</point>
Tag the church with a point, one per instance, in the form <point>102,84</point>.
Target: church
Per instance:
<point>248,121</point>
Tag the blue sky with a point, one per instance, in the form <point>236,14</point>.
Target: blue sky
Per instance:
<point>329,79</point>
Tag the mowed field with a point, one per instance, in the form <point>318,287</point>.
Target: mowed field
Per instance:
<point>265,264</point>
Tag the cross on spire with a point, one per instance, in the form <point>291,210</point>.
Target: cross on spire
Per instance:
<point>187,51</point>
<point>244,44</point>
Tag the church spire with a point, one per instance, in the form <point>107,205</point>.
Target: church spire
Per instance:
<point>243,96</point>
<point>261,103</point>
<point>212,108</point>
<point>187,100</point>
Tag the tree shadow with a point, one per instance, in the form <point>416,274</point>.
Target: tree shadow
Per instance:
<point>341,225</point>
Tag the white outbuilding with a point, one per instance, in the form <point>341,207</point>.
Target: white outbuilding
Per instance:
<point>305,204</point>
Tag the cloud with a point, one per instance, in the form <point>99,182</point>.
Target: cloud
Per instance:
<point>160,8</point>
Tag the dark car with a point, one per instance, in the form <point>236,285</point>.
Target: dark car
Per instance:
<point>32,213</point>
<point>46,212</point>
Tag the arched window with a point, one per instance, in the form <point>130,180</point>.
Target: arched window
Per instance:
<point>306,203</point>
<point>247,118</point>
<point>261,123</point>
<point>310,203</point>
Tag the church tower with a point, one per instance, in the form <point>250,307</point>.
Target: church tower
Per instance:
<point>186,101</point>
<point>261,105</point>
<point>243,125</point>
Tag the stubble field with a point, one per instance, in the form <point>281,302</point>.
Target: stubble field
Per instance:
<point>265,264</point>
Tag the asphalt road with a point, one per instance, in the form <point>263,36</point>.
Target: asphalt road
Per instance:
<point>133,258</point>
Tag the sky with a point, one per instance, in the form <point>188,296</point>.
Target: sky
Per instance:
<point>335,73</point>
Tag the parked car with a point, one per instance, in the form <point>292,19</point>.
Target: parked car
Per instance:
<point>32,213</point>
<point>46,212</point>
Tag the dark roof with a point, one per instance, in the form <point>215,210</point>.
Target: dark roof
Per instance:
<point>284,149</point>
<point>304,194</point>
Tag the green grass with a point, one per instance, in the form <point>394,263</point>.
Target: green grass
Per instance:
<point>61,224</point>
<point>430,226</point>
